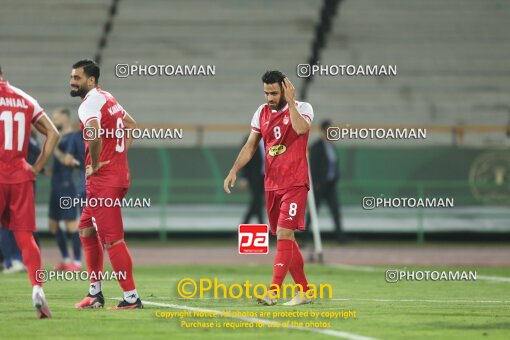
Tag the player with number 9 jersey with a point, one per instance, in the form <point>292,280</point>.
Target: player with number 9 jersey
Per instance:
<point>101,105</point>
<point>104,123</point>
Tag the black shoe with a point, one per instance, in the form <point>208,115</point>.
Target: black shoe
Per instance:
<point>126,305</point>
<point>91,301</point>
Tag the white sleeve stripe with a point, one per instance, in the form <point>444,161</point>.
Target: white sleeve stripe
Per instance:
<point>91,107</point>
<point>91,118</point>
<point>255,121</point>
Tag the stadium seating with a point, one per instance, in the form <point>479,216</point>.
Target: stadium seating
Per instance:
<point>242,39</point>
<point>41,40</point>
<point>451,58</point>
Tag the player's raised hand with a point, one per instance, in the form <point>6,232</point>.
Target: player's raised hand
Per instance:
<point>288,90</point>
<point>89,171</point>
<point>229,181</point>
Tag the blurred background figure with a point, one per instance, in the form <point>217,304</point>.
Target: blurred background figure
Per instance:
<point>75,157</point>
<point>62,186</point>
<point>12,255</point>
<point>252,177</point>
<point>324,164</point>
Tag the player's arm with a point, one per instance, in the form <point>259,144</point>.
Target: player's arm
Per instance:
<point>46,128</point>
<point>59,155</point>
<point>299,123</point>
<point>130,124</point>
<point>95,146</point>
<point>90,116</point>
<point>69,159</point>
<point>245,155</point>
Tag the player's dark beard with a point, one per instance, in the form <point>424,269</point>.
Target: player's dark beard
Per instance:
<point>80,92</point>
<point>281,104</point>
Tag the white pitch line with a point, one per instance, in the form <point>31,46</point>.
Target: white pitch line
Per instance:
<point>378,269</point>
<point>493,278</point>
<point>419,300</point>
<point>369,300</point>
<point>331,332</point>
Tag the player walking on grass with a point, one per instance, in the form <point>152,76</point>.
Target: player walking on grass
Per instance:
<point>284,124</point>
<point>18,111</point>
<point>107,174</point>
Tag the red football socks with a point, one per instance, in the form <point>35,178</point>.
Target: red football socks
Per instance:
<point>30,254</point>
<point>93,256</point>
<point>121,261</point>
<point>297,267</point>
<point>282,261</point>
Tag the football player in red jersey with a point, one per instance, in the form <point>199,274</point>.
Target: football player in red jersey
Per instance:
<point>284,124</point>
<point>108,177</point>
<point>18,111</point>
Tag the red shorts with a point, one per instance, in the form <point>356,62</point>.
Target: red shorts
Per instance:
<point>17,207</point>
<point>106,220</point>
<point>286,208</point>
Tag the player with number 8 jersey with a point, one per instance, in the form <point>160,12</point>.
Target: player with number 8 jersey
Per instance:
<point>106,169</point>
<point>284,124</point>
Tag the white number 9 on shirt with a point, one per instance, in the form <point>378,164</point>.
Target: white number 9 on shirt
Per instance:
<point>120,141</point>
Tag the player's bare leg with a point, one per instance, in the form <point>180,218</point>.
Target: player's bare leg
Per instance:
<point>32,261</point>
<point>93,250</point>
<point>122,264</point>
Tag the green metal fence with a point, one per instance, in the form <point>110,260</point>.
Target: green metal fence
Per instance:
<point>195,176</point>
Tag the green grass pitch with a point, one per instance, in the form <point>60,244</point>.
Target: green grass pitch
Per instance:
<point>404,310</point>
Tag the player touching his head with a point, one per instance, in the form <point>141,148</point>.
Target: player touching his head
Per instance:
<point>107,177</point>
<point>283,123</point>
<point>18,111</point>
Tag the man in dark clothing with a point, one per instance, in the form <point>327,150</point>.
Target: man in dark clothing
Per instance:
<point>253,177</point>
<point>325,175</point>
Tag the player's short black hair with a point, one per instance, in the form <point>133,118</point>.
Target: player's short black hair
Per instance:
<point>64,111</point>
<point>325,124</point>
<point>90,68</point>
<point>273,76</point>
<point>1,69</point>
